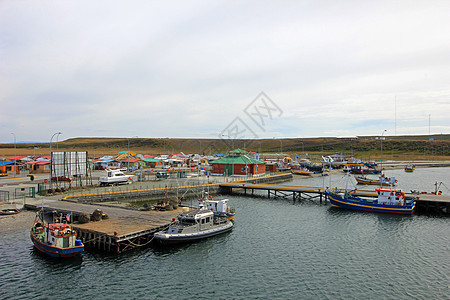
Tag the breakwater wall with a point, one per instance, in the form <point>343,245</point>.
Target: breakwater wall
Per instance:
<point>170,191</point>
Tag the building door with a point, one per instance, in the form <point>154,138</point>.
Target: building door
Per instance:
<point>228,170</point>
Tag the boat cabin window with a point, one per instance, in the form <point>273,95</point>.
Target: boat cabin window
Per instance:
<point>109,174</point>
<point>188,221</point>
<point>207,220</point>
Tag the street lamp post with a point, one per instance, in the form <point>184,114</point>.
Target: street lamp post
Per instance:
<point>14,154</point>
<point>57,141</point>
<point>51,160</point>
<point>382,138</point>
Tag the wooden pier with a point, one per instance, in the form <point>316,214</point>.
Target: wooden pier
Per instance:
<point>123,230</point>
<point>425,203</point>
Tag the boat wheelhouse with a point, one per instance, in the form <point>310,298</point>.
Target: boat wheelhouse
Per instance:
<point>220,208</point>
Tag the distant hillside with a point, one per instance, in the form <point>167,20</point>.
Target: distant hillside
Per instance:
<point>366,145</point>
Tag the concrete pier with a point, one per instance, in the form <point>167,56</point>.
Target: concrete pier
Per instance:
<point>125,229</point>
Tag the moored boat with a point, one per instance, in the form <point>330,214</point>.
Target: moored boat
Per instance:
<point>382,180</point>
<point>192,226</point>
<point>9,211</point>
<point>388,201</point>
<point>410,168</point>
<point>304,172</point>
<point>55,238</point>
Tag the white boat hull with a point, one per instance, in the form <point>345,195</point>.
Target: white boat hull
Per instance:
<point>175,238</point>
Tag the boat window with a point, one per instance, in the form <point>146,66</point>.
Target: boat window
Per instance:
<point>203,221</point>
<point>207,220</point>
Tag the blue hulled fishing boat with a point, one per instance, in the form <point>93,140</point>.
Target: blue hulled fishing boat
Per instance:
<point>388,201</point>
<point>56,238</point>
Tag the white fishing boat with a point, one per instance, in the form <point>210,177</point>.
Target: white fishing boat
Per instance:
<point>192,226</point>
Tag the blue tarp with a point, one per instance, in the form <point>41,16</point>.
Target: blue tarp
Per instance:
<point>104,161</point>
<point>5,162</point>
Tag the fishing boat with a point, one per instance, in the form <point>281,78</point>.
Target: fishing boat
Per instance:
<point>304,172</point>
<point>363,170</point>
<point>382,180</point>
<point>55,238</point>
<point>9,211</point>
<point>220,208</point>
<point>388,201</point>
<point>410,168</point>
<point>192,226</point>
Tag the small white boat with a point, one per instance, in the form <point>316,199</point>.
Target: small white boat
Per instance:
<point>192,226</point>
<point>382,180</point>
<point>115,177</point>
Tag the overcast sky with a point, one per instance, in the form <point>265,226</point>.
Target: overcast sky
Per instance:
<point>190,68</point>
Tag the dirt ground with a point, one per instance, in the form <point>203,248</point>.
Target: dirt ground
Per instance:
<point>19,221</point>
<point>131,221</point>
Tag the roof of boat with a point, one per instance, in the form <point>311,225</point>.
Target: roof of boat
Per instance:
<point>58,226</point>
<point>200,212</point>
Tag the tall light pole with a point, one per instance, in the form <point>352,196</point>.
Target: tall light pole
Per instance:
<point>382,138</point>
<point>15,171</point>
<point>57,135</point>
<point>51,160</point>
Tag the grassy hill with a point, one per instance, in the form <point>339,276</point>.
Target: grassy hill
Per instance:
<point>398,147</point>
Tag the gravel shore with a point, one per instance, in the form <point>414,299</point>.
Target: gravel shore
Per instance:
<point>20,221</point>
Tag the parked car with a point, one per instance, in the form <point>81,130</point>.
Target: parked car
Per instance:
<point>162,175</point>
<point>62,178</point>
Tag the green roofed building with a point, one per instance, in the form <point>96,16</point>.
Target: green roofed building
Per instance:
<point>153,162</point>
<point>237,164</point>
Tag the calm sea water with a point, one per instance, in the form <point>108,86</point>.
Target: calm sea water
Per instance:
<point>278,249</point>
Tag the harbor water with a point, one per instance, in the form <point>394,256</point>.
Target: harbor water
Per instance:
<point>278,249</point>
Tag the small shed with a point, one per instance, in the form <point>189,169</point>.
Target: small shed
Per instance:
<point>39,166</point>
<point>154,163</point>
<point>6,166</point>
